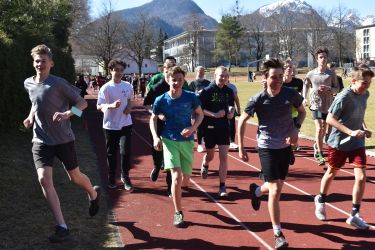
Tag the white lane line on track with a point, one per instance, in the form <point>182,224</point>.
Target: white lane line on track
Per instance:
<point>217,203</point>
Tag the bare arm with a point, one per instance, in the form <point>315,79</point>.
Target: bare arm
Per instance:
<point>128,107</point>
<point>305,90</point>
<point>187,132</point>
<point>29,121</point>
<point>237,103</point>
<point>61,116</point>
<point>241,128</point>
<point>332,120</point>
<point>154,127</point>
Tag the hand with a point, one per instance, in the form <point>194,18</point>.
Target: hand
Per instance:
<point>116,104</point>
<point>358,133</point>
<point>28,122</point>
<point>158,146</point>
<point>61,116</point>
<point>304,102</point>
<point>243,154</point>
<point>187,132</point>
<point>368,133</point>
<point>126,111</point>
<point>162,117</point>
<point>220,114</point>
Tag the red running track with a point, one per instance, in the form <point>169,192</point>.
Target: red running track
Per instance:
<point>144,217</point>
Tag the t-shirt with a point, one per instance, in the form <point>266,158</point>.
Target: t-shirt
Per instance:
<point>156,90</point>
<point>320,100</point>
<point>275,123</point>
<point>232,87</point>
<point>296,84</point>
<point>115,119</point>
<point>197,85</point>
<point>52,95</point>
<point>177,112</point>
<point>349,109</point>
<point>215,99</point>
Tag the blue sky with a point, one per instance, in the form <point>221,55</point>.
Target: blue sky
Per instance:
<point>216,8</point>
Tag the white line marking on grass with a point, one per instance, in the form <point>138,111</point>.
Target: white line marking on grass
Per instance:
<point>218,204</point>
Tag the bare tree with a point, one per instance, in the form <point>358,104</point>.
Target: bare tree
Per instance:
<point>193,27</point>
<point>81,16</point>
<point>255,36</point>
<point>343,34</point>
<point>102,38</point>
<point>138,39</point>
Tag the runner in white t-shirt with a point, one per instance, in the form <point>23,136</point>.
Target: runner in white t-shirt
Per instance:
<point>115,101</point>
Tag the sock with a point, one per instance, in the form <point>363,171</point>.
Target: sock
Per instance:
<point>355,209</point>
<point>179,212</point>
<point>63,226</point>
<point>258,192</point>
<point>222,184</point>
<point>322,198</point>
<point>276,229</point>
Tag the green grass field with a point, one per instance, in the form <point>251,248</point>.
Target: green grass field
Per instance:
<point>25,218</point>
<point>247,90</point>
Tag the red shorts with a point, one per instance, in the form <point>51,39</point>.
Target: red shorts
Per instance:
<point>337,158</point>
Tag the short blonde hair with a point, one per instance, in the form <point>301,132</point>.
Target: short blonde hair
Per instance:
<point>41,49</point>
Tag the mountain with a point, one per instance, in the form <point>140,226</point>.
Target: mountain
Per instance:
<point>368,20</point>
<point>284,7</point>
<point>169,15</point>
<point>294,13</point>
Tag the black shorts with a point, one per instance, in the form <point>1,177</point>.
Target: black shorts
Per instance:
<point>275,163</point>
<point>215,136</point>
<point>44,155</point>
<point>317,115</point>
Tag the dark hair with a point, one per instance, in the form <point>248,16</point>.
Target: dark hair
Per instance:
<point>361,71</point>
<point>170,58</point>
<point>175,70</point>
<point>320,50</point>
<point>273,63</point>
<point>112,64</point>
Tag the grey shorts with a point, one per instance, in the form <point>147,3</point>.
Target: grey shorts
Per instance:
<point>44,155</point>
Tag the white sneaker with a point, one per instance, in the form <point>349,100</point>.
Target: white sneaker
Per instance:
<point>200,149</point>
<point>320,209</point>
<point>223,191</point>
<point>233,145</point>
<point>358,222</point>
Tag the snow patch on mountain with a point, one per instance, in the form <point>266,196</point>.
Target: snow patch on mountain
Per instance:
<point>284,6</point>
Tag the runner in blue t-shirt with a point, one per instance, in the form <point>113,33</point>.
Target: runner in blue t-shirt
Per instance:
<point>177,137</point>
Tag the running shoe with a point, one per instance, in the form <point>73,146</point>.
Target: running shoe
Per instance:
<point>200,148</point>
<point>233,145</point>
<point>320,209</point>
<point>94,204</point>
<point>316,152</point>
<point>154,174</point>
<point>61,234</point>
<point>223,191</point>
<point>128,186</point>
<point>280,241</point>
<point>358,222</point>
<point>321,160</point>
<point>178,219</point>
<point>255,200</point>
<point>204,172</point>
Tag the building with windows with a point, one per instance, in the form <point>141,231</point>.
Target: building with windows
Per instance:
<point>191,48</point>
<point>365,44</point>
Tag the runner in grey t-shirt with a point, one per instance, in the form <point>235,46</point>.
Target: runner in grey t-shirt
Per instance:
<point>322,84</point>
<point>50,98</point>
<point>276,131</point>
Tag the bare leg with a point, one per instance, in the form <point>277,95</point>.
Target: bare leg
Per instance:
<point>81,180</point>
<point>274,194</point>
<point>359,185</point>
<point>46,181</point>
<point>208,156</point>
<point>327,179</point>
<point>223,165</point>
<point>176,188</point>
